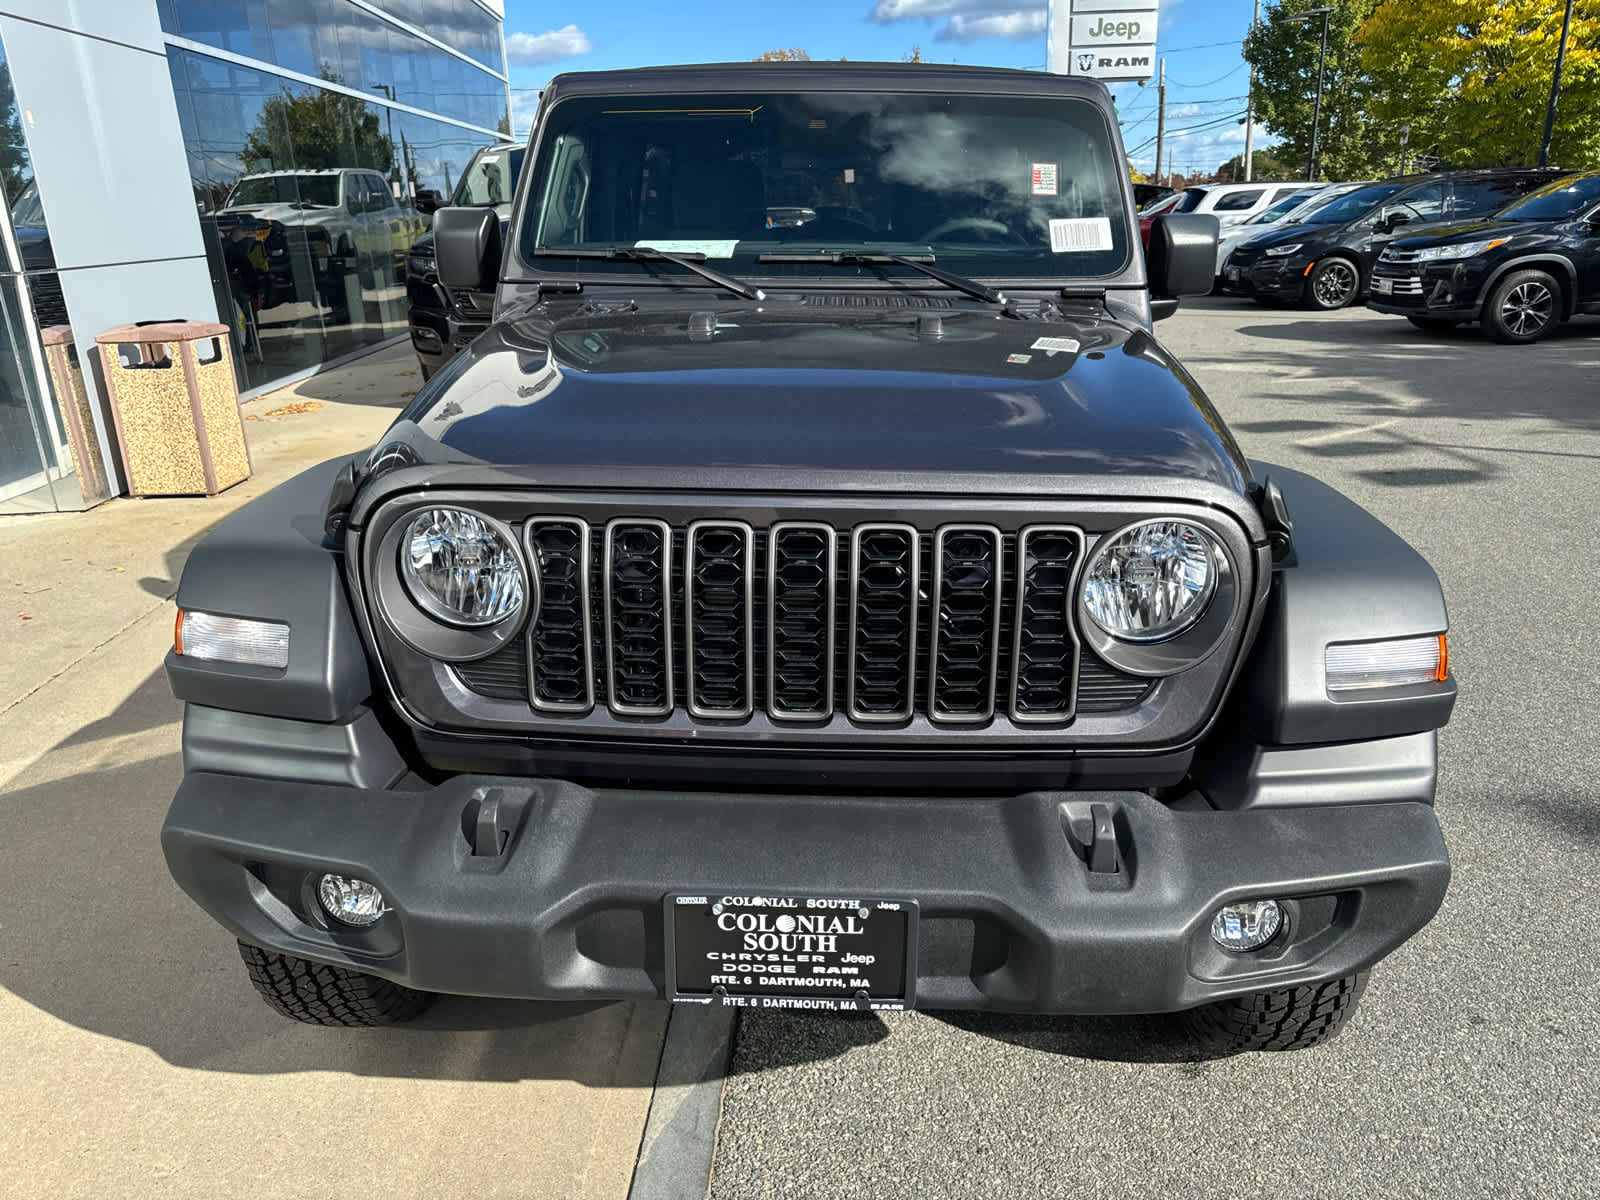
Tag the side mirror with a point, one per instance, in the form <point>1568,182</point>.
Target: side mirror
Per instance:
<point>429,200</point>
<point>1182,257</point>
<point>1396,219</point>
<point>466,243</point>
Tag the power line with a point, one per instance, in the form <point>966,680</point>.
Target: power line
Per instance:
<point>1218,79</point>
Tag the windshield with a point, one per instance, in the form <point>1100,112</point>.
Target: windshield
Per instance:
<point>1563,198</point>
<point>1281,209</point>
<point>997,186</point>
<point>1351,205</point>
<point>315,191</point>
<point>490,180</point>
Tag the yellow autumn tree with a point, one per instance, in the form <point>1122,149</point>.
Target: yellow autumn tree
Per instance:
<point>1472,80</point>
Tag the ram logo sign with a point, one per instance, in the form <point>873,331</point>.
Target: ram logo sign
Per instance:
<point>1111,40</point>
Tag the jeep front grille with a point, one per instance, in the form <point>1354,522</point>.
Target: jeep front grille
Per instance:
<point>878,623</point>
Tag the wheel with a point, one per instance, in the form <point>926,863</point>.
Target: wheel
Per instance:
<point>1433,324</point>
<point>1333,283</point>
<point>1522,308</point>
<point>319,994</point>
<point>1289,1019</point>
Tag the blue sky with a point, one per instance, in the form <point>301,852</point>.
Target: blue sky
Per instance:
<point>1206,78</point>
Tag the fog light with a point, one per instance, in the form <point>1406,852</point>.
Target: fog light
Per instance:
<point>1247,926</point>
<point>351,901</point>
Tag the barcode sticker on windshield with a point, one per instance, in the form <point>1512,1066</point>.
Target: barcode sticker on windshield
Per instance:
<point>1079,234</point>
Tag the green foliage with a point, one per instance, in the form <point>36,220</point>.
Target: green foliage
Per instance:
<point>1284,55</point>
<point>1268,166</point>
<point>1472,78</point>
<point>782,56</point>
<point>315,130</point>
<point>14,160</point>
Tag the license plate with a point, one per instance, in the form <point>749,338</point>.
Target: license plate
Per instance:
<point>833,953</point>
<point>1384,287</point>
<point>1233,274</point>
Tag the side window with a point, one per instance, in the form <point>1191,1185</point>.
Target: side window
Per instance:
<point>355,193</point>
<point>1486,196</point>
<point>1239,201</point>
<point>1424,204</point>
<point>1284,193</point>
<point>1190,202</point>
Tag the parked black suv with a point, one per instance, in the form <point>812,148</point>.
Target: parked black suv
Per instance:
<point>1325,259</point>
<point>1534,265</point>
<point>442,323</point>
<point>856,608</point>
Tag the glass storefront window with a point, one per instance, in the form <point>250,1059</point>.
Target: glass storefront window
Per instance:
<point>345,43</point>
<point>38,472</point>
<point>305,200</point>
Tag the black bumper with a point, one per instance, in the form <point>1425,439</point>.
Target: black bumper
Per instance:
<point>1012,918</point>
<point>1268,280</point>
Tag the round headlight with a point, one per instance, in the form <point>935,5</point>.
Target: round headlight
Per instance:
<point>1152,581</point>
<point>459,568</point>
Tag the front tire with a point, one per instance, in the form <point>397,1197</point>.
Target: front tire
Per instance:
<point>1288,1019</point>
<point>1523,307</point>
<point>319,994</point>
<point>1333,284</point>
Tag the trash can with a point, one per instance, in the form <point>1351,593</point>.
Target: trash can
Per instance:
<point>176,407</point>
<point>72,398</point>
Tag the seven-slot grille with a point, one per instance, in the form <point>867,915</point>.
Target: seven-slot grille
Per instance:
<point>880,622</point>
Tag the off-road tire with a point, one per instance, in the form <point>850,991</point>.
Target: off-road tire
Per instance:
<point>319,994</point>
<point>1522,308</point>
<point>1333,283</point>
<point>1433,324</point>
<point>1289,1019</point>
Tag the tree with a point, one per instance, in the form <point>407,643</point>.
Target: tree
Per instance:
<point>1284,55</point>
<point>915,55</point>
<point>1472,79</point>
<point>782,56</point>
<point>13,146</point>
<point>1269,165</point>
<point>317,129</point>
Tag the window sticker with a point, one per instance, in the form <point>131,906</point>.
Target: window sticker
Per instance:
<point>1077,235</point>
<point>1044,179</point>
<point>1055,345</point>
<point>711,249</point>
<point>1019,358</point>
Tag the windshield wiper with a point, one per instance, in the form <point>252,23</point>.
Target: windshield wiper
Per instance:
<point>917,262</point>
<point>691,262</point>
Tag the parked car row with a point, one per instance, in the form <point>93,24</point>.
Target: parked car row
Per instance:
<point>1515,249</point>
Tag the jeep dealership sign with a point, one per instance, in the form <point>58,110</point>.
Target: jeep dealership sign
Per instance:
<point>1103,39</point>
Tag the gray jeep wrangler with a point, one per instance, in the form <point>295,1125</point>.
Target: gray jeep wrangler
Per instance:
<point>818,589</point>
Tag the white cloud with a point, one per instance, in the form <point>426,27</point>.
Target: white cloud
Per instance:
<point>964,28</point>
<point>528,49</point>
<point>968,20</point>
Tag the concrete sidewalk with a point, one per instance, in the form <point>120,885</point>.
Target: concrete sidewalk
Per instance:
<point>136,1059</point>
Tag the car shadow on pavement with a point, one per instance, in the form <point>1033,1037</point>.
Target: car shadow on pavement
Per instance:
<point>1158,1038</point>
<point>95,933</point>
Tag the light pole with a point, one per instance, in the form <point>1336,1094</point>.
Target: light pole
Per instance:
<point>1316,105</point>
<point>1555,89</point>
<point>1250,107</point>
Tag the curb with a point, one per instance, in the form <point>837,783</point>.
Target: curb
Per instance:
<point>680,1132</point>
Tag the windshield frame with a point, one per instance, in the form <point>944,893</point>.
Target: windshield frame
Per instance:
<point>521,267</point>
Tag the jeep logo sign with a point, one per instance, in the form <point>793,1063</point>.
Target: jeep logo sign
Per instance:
<point>1110,40</point>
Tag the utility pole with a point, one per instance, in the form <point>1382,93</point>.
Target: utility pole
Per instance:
<point>1555,90</point>
<point>1316,105</point>
<point>1161,117</point>
<point>1250,107</point>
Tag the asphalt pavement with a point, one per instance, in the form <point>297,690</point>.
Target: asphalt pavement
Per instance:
<point>1471,1067</point>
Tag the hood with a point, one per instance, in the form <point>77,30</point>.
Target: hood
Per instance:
<point>1445,232</point>
<point>284,213</point>
<point>802,392</point>
<point>1282,235</point>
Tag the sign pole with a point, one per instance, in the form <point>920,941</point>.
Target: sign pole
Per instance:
<point>1161,117</point>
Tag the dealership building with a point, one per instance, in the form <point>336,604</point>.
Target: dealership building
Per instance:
<point>248,162</point>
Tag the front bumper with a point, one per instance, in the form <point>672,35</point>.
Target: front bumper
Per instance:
<point>1449,290</point>
<point>1012,917</point>
<point>1267,278</point>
